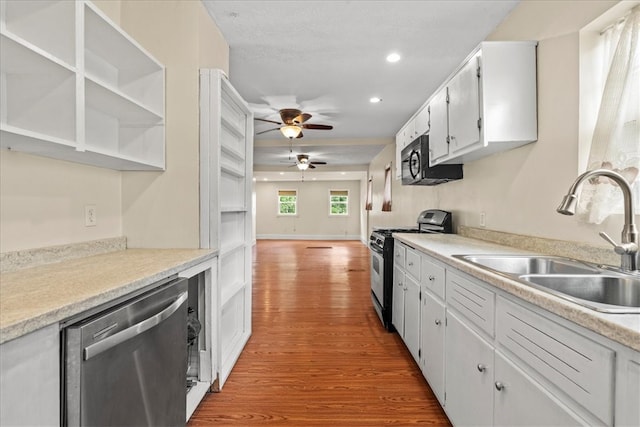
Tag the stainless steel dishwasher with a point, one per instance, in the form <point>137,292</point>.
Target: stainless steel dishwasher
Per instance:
<point>126,366</point>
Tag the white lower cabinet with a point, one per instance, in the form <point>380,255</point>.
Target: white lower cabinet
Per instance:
<point>30,372</point>
<point>493,359</point>
<point>406,310</point>
<point>405,314</point>
<point>432,343</point>
<point>411,334</point>
<point>521,401</point>
<point>469,375</point>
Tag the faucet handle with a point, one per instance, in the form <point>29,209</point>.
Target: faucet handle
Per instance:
<point>620,249</point>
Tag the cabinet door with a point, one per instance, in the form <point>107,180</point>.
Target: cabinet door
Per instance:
<point>412,316</point>
<point>464,107</point>
<point>520,401</point>
<point>397,313</point>
<point>30,372</point>
<point>438,145</point>
<point>469,375</point>
<point>432,343</point>
<point>421,122</point>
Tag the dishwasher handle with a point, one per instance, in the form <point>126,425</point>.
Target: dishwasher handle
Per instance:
<point>132,331</point>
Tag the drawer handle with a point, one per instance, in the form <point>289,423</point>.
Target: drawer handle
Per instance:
<point>431,278</point>
<point>438,322</point>
<point>499,386</point>
<point>482,368</point>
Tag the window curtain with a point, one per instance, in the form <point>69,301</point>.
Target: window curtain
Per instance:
<point>368,205</point>
<point>616,139</point>
<point>386,200</point>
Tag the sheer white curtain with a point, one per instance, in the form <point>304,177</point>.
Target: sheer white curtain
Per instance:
<point>616,139</point>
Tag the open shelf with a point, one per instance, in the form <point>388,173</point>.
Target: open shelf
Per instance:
<point>105,101</point>
<point>114,58</point>
<point>232,190</point>
<point>36,93</point>
<point>118,126</point>
<point>232,230</point>
<point>49,25</point>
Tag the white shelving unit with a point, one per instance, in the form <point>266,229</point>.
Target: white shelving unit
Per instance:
<point>75,87</point>
<point>226,162</point>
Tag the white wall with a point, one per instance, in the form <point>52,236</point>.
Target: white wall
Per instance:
<point>313,220</point>
<point>519,189</point>
<point>42,200</point>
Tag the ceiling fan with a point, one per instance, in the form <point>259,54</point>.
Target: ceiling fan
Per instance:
<point>303,163</point>
<point>293,121</point>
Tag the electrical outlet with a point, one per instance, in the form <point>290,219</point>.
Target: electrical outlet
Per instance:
<point>483,219</point>
<point>90,216</point>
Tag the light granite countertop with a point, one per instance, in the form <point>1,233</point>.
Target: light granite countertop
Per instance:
<point>621,328</point>
<point>33,298</point>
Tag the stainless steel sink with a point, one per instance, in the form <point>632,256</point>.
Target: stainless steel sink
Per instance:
<point>602,292</point>
<point>530,264</point>
<point>598,288</point>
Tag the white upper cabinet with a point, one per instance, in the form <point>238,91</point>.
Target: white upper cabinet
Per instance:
<point>488,105</point>
<point>464,105</point>
<point>76,87</point>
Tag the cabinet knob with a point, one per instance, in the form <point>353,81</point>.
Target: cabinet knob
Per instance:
<point>481,367</point>
<point>431,278</point>
<point>400,284</point>
<point>438,322</point>
<point>499,386</point>
<point>410,264</point>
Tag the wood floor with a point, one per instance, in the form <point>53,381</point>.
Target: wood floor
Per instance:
<point>318,355</point>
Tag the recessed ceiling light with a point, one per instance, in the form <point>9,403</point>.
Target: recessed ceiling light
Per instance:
<point>343,173</point>
<point>393,57</point>
<point>281,173</point>
<point>265,179</point>
<point>375,100</point>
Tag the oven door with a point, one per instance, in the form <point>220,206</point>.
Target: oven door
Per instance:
<point>377,281</point>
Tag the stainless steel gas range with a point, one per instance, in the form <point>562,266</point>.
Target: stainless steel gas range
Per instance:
<point>381,247</point>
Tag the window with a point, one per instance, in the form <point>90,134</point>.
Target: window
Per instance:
<point>287,202</point>
<point>386,201</point>
<point>338,202</point>
<point>369,202</point>
<point>610,113</point>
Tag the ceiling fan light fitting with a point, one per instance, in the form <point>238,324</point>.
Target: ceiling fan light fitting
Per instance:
<point>291,131</point>
<point>303,166</point>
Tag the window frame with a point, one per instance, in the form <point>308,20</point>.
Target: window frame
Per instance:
<point>331,203</point>
<point>280,202</point>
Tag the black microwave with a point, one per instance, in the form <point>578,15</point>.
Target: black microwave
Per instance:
<point>415,165</point>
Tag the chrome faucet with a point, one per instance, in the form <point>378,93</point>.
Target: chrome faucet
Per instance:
<point>628,249</point>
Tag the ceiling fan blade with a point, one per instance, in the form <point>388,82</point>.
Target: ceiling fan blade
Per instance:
<point>311,166</point>
<point>265,131</point>
<point>318,127</point>
<point>300,136</point>
<point>302,118</point>
<point>268,121</point>
<point>318,163</point>
<point>288,114</point>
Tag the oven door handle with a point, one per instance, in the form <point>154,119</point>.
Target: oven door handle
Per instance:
<point>376,249</point>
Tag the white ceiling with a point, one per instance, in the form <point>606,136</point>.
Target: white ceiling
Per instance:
<point>327,58</point>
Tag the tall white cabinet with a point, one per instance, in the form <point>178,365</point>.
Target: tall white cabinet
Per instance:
<point>226,178</point>
<point>75,87</point>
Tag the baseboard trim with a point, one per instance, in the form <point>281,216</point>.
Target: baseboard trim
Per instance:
<point>306,237</point>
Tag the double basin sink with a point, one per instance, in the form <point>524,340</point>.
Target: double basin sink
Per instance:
<point>598,288</point>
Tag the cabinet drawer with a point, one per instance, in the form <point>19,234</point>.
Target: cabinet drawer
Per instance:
<point>412,259</point>
<point>471,300</point>
<point>399,253</point>
<point>576,365</point>
<point>433,276</point>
